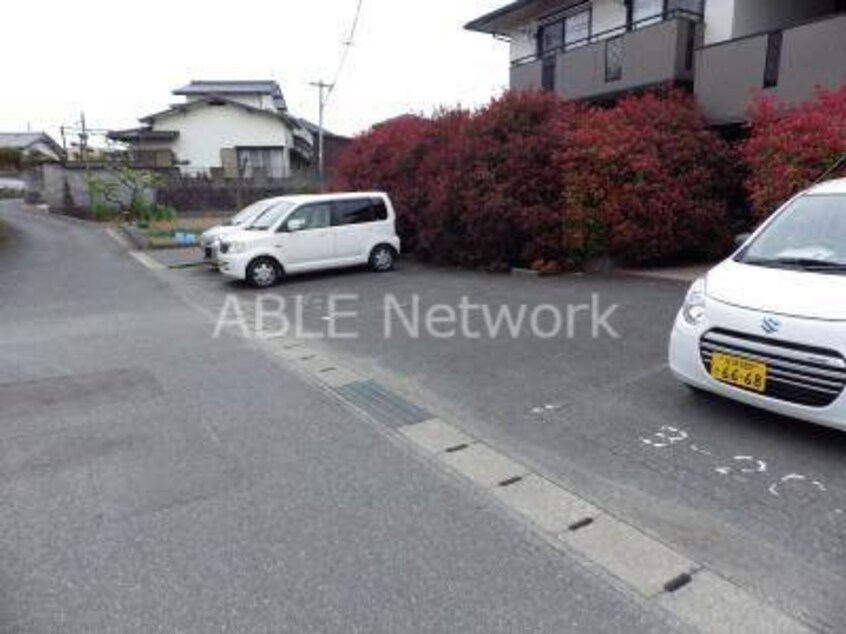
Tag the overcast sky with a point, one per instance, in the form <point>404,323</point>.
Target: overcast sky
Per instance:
<point>118,60</point>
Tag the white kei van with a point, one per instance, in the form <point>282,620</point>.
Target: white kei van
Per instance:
<point>308,233</point>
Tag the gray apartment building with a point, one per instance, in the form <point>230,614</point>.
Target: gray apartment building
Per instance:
<point>723,50</point>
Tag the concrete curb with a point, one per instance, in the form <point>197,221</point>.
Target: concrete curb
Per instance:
<point>660,575</point>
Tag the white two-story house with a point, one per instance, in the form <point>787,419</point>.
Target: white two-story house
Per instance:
<point>724,50</point>
<point>242,128</point>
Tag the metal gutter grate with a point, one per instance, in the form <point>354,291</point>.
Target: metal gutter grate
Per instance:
<point>382,404</point>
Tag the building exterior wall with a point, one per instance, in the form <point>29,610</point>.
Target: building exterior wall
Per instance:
<point>608,15</point>
<point>523,43</point>
<point>719,20</point>
<point>204,131</point>
<point>728,63</point>
<point>730,74</point>
<point>727,77</point>
<point>755,16</point>
<point>526,76</point>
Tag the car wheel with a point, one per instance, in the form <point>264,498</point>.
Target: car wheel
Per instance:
<point>382,258</point>
<point>263,272</point>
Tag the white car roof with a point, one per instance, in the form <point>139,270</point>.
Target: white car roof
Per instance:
<point>834,186</point>
<point>299,199</point>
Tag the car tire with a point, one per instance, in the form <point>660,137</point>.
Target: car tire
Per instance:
<point>263,272</point>
<point>382,258</point>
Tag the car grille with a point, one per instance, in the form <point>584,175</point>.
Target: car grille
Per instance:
<point>209,253</point>
<point>796,373</point>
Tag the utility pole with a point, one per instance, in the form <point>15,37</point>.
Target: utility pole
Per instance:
<point>324,90</point>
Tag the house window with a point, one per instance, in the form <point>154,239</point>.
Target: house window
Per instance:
<point>269,160</point>
<point>614,59</point>
<point>773,63</point>
<point>550,38</point>
<point>567,31</point>
<point>577,29</point>
<point>646,12</point>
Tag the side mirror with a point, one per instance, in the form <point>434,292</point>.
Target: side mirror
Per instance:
<point>295,224</point>
<point>741,238</point>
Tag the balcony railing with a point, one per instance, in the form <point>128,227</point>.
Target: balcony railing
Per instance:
<point>565,47</point>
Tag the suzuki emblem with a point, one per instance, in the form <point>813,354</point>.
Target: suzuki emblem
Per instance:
<point>770,325</point>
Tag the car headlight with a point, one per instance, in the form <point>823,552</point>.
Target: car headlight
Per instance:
<point>237,247</point>
<point>693,309</point>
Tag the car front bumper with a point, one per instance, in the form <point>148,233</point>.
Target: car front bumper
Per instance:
<point>687,365</point>
<point>234,265</point>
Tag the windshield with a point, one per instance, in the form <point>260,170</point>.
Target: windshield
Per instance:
<point>271,216</point>
<point>810,234</point>
<point>248,213</point>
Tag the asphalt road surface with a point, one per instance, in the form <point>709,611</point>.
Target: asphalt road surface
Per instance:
<point>760,498</point>
<point>154,479</point>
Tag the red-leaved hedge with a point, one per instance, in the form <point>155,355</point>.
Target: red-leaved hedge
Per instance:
<point>533,180</point>
<point>789,148</point>
<point>647,180</point>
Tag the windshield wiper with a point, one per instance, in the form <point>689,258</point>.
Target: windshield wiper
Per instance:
<point>808,264</point>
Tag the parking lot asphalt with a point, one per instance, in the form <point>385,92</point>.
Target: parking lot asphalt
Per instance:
<point>154,479</point>
<point>760,497</point>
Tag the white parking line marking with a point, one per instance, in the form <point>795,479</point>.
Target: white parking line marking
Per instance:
<point>118,237</point>
<point>147,261</point>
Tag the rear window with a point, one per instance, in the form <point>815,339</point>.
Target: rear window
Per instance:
<point>380,209</point>
<point>359,211</point>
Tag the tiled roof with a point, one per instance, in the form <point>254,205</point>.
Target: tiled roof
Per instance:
<point>20,140</point>
<point>203,87</point>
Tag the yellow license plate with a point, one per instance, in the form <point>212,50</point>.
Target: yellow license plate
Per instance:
<point>750,375</point>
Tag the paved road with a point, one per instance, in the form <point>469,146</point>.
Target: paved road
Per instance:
<point>152,479</point>
<point>760,498</point>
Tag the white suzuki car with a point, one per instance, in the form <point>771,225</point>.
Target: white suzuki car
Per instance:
<point>768,326</point>
<point>210,240</point>
<point>308,233</point>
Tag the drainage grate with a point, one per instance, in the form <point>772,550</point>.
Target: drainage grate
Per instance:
<point>382,404</point>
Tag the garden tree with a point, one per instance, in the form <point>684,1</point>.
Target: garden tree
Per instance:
<point>125,189</point>
<point>790,148</point>
<point>507,190</point>
<point>388,157</point>
<point>646,180</point>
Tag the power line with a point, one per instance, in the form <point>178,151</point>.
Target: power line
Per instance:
<point>325,90</point>
<point>348,43</point>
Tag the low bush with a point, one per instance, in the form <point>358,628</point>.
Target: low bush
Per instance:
<point>790,148</point>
